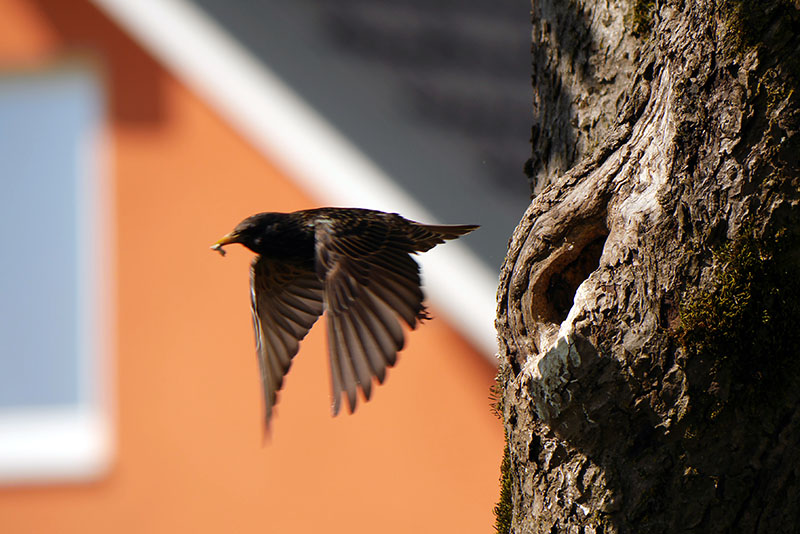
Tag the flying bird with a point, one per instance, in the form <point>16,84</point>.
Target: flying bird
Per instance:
<point>355,264</point>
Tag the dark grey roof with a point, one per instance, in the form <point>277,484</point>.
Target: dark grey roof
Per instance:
<point>436,92</point>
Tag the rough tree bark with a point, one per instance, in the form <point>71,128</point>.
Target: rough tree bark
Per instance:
<point>649,304</point>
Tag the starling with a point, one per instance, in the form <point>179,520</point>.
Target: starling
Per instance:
<point>354,263</point>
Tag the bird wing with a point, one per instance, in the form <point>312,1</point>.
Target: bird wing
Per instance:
<point>286,301</point>
<point>369,279</point>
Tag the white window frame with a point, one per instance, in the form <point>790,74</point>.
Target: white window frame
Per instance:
<point>74,442</point>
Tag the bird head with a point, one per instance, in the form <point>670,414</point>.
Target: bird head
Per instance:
<point>251,232</point>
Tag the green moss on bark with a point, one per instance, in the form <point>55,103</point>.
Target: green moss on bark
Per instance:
<point>502,510</point>
<point>771,24</point>
<point>642,17</point>
<point>746,326</point>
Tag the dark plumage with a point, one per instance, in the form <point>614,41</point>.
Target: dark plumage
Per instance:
<point>354,263</point>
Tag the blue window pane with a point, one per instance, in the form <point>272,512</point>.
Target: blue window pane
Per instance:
<point>47,124</point>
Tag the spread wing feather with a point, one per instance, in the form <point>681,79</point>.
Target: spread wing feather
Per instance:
<point>286,301</point>
<point>370,279</point>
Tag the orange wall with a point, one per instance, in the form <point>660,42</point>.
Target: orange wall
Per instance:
<point>422,456</point>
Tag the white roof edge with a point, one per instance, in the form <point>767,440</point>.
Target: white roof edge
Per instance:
<point>281,125</point>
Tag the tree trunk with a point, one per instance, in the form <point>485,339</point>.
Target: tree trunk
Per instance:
<point>649,304</point>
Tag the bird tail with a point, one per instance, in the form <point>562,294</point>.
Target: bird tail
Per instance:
<point>450,231</point>
<point>430,235</point>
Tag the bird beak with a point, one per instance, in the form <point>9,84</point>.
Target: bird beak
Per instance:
<point>226,240</point>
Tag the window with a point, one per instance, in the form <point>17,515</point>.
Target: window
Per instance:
<point>54,276</point>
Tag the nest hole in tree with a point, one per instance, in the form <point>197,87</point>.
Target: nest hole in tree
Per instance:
<point>563,284</point>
